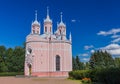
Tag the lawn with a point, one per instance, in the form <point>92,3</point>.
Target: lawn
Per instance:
<point>26,80</point>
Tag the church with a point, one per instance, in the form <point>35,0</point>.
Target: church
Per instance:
<point>48,54</point>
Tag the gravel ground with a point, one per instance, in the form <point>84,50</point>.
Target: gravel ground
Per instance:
<point>26,80</point>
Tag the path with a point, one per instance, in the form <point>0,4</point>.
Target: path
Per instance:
<point>14,80</point>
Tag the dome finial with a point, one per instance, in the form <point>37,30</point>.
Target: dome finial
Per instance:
<point>47,11</point>
<point>47,17</point>
<point>35,15</point>
<point>61,16</point>
<point>70,37</point>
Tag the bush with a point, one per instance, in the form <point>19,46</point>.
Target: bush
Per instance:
<point>11,73</point>
<point>109,76</point>
<point>79,74</point>
<point>102,76</point>
<point>86,80</point>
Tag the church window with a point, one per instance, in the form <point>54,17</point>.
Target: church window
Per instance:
<point>29,50</point>
<point>50,29</point>
<point>57,63</point>
<point>37,32</point>
<point>61,38</point>
<point>60,31</point>
<point>45,29</point>
<point>33,31</point>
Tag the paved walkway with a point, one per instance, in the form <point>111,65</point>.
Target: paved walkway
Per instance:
<point>14,80</point>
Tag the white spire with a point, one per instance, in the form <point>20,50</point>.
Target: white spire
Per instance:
<point>35,22</point>
<point>57,24</point>
<point>70,37</point>
<point>61,22</point>
<point>47,11</point>
<point>61,17</point>
<point>35,15</point>
<point>48,17</point>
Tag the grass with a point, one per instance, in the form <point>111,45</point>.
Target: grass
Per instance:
<point>10,73</point>
<point>80,81</point>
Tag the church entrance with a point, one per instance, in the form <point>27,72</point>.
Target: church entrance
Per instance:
<point>30,69</point>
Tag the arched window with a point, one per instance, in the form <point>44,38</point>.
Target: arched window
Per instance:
<point>33,31</point>
<point>60,31</point>
<point>37,32</point>
<point>50,29</point>
<point>29,50</point>
<point>57,63</point>
<point>45,29</point>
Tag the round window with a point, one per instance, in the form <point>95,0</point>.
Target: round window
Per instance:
<point>29,50</point>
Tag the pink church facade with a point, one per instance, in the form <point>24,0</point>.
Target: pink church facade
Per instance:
<point>48,54</point>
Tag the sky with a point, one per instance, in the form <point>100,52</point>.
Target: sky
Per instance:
<point>94,24</point>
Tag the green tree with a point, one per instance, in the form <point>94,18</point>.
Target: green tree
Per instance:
<point>18,57</point>
<point>117,62</point>
<point>76,64</point>
<point>9,59</point>
<point>3,66</point>
<point>74,67</point>
<point>100,59</point>
<point>87,65</point>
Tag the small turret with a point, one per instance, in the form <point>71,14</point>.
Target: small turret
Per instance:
<point>36,22</point>
<point>62,27</point>
<point>48,24</point>
<point>61,22</point>
<point>35,25</point>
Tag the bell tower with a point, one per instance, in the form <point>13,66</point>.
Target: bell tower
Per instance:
<point>48,24</point>
<point>62,29</point>
<point>35,27</point>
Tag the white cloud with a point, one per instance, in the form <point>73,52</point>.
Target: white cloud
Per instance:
<point>92,51</point>
<point>73,20</point>
<point>113,49</point>
<point>85,59</point>
<point>116,40</point>
<point>85,54</point>
<point>115,36</point>
<point>102,33</point>
<point>115,31</point>
<point>88,47</point>
<point>112,31</point>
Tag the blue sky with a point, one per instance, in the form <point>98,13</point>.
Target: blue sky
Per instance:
<point>94,24</point>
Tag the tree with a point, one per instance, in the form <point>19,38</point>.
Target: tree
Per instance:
<point>12,60</point>
<point>87,65</point>
<point>100,59</point>
<point>74,64</point>
<point>117,62</point>
<point>77,65</point>
<point>18,57</point>
<point>9,59</point>
<point>3,66</point>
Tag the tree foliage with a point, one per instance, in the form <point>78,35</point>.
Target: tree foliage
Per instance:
<point>12,60</point>
<point>77,64</point>
<point>100,59</point>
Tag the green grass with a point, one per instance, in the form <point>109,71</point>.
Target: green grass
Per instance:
<point>11,73</point>
<point>76,80</point>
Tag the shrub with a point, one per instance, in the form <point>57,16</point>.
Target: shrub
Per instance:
<point>86,80</point>
<point>11,73</point>
<point>99,75</point>
<point>79,74</point>
<point>109,75</point>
